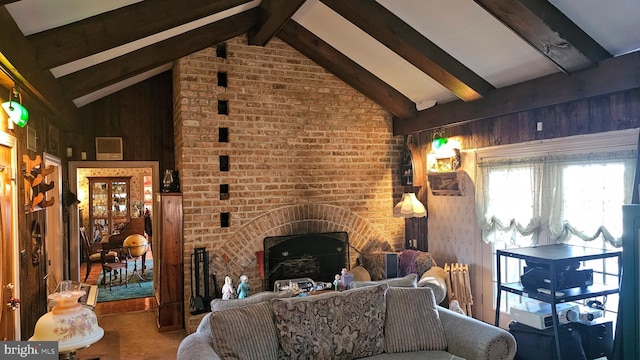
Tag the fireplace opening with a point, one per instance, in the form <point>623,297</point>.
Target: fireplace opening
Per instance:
<point>317,256</point>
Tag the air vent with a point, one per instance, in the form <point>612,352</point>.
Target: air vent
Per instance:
<point>108,148</point>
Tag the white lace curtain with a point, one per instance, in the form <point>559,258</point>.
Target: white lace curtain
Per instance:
<point>562,196</point>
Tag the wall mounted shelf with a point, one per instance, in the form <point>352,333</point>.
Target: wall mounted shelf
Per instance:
<point>447,183</point>
<point>412,167</point>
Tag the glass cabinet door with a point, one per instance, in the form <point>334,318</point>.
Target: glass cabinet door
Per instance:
<point>109,208</point>
<point>120,202</point>
<point>100,209</point>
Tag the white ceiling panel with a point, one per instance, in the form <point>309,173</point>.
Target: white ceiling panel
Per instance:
<point>369,53</point>
<point>475,38</point>
<point>38,15</point>
<point>614,24</point>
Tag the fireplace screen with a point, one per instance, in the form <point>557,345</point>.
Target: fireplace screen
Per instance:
<point>316,256</point>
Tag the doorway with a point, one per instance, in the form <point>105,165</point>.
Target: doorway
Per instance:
<point>10,286</point>
<point>79,171</point>
<point>54,243</point>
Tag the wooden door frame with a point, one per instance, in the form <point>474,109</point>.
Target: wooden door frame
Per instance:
<point>74,215</point>
<point>9,141</point>
<point>54,236</point>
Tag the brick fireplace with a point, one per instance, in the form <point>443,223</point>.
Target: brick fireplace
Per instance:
<point>306,154</point>
<point>315,256</point>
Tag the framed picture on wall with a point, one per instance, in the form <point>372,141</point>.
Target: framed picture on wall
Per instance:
<point>447,184</point>
<point>32,138</point>
<point>53,140</point>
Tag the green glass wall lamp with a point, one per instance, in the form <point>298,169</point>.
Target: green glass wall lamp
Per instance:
<point>17,113</point>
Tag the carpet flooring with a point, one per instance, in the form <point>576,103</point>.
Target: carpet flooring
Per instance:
<point>132,335</point>
<point>135,289</point>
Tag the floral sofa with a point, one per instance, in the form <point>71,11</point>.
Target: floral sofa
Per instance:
<point>372,322</point>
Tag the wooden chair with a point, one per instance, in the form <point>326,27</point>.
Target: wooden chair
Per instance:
<point>92,254</point>
<point>113,267</point>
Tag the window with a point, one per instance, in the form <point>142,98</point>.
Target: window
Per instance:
<point>572,191</point>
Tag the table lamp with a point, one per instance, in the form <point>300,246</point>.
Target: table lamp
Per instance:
<point>69,323</point>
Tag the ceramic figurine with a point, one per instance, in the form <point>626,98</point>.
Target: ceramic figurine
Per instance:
<point>244,287</point>
<point>228,292</point>
<point>336,282</point>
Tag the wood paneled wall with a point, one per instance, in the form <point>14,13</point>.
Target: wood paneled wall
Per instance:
<point>616,111</point>
<point>141,114</point>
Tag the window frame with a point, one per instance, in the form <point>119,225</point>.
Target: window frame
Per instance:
<point>625,140</point>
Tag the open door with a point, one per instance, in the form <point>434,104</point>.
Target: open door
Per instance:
<point>54,237</point>
<point>9,311</point>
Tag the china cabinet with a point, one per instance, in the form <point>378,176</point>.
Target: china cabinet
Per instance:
<point>109,203</point>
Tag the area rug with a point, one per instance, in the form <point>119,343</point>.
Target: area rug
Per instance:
<point>135,289</point>
<point>133,335</point>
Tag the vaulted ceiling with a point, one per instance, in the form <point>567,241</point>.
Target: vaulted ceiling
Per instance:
<point>430,63</point>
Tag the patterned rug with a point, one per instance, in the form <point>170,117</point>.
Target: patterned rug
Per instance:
<point>135,289</point>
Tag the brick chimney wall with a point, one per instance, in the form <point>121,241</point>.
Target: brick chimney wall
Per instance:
<point>306,153</point>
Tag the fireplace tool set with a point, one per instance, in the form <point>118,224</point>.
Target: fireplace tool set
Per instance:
<point>200,298</point>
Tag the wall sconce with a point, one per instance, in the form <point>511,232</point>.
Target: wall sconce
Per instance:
<point>409,207</point>
<point>445,154</point>
<point>17,113</point>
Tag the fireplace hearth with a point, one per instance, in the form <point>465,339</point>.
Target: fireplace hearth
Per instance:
<point>318,256</point>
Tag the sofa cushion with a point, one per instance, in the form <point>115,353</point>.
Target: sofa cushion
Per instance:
<point>263,296</point>
<point>412,321</point>
<point>245,332</point>
<point>405,281</point>
<point>418,355</point>
<point>335,325</point>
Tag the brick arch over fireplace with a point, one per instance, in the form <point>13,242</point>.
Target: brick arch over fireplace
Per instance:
<point>295,220</point>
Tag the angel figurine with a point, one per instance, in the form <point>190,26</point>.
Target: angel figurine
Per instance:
<point>243,287</point>
<point>228,292</point>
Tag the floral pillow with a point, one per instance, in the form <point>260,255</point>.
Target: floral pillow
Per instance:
<point>337,325</point>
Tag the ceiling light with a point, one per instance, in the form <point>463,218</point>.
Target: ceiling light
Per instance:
<point>17,113</point>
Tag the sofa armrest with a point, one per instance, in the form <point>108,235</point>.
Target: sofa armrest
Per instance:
<point>197,346</point>
<point>473,339</point>
<point>435,278</point>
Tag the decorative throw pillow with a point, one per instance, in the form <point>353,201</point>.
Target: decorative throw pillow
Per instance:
<point>246,333</point>
<point>412,321</point>
<point>336,325</point>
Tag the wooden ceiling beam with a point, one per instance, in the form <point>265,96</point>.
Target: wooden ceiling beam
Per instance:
<point>17,57</point>
<point>347,70</point>
<point>388,29</point>
<point>274,14</point>
<point>551,32</point>
<point>98,33</point>
<point>612,75</point>
<point>113,71</point>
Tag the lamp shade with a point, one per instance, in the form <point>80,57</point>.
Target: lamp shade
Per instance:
<point>409,207</point>
<point>69,323</point>
<point>17,113</point>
